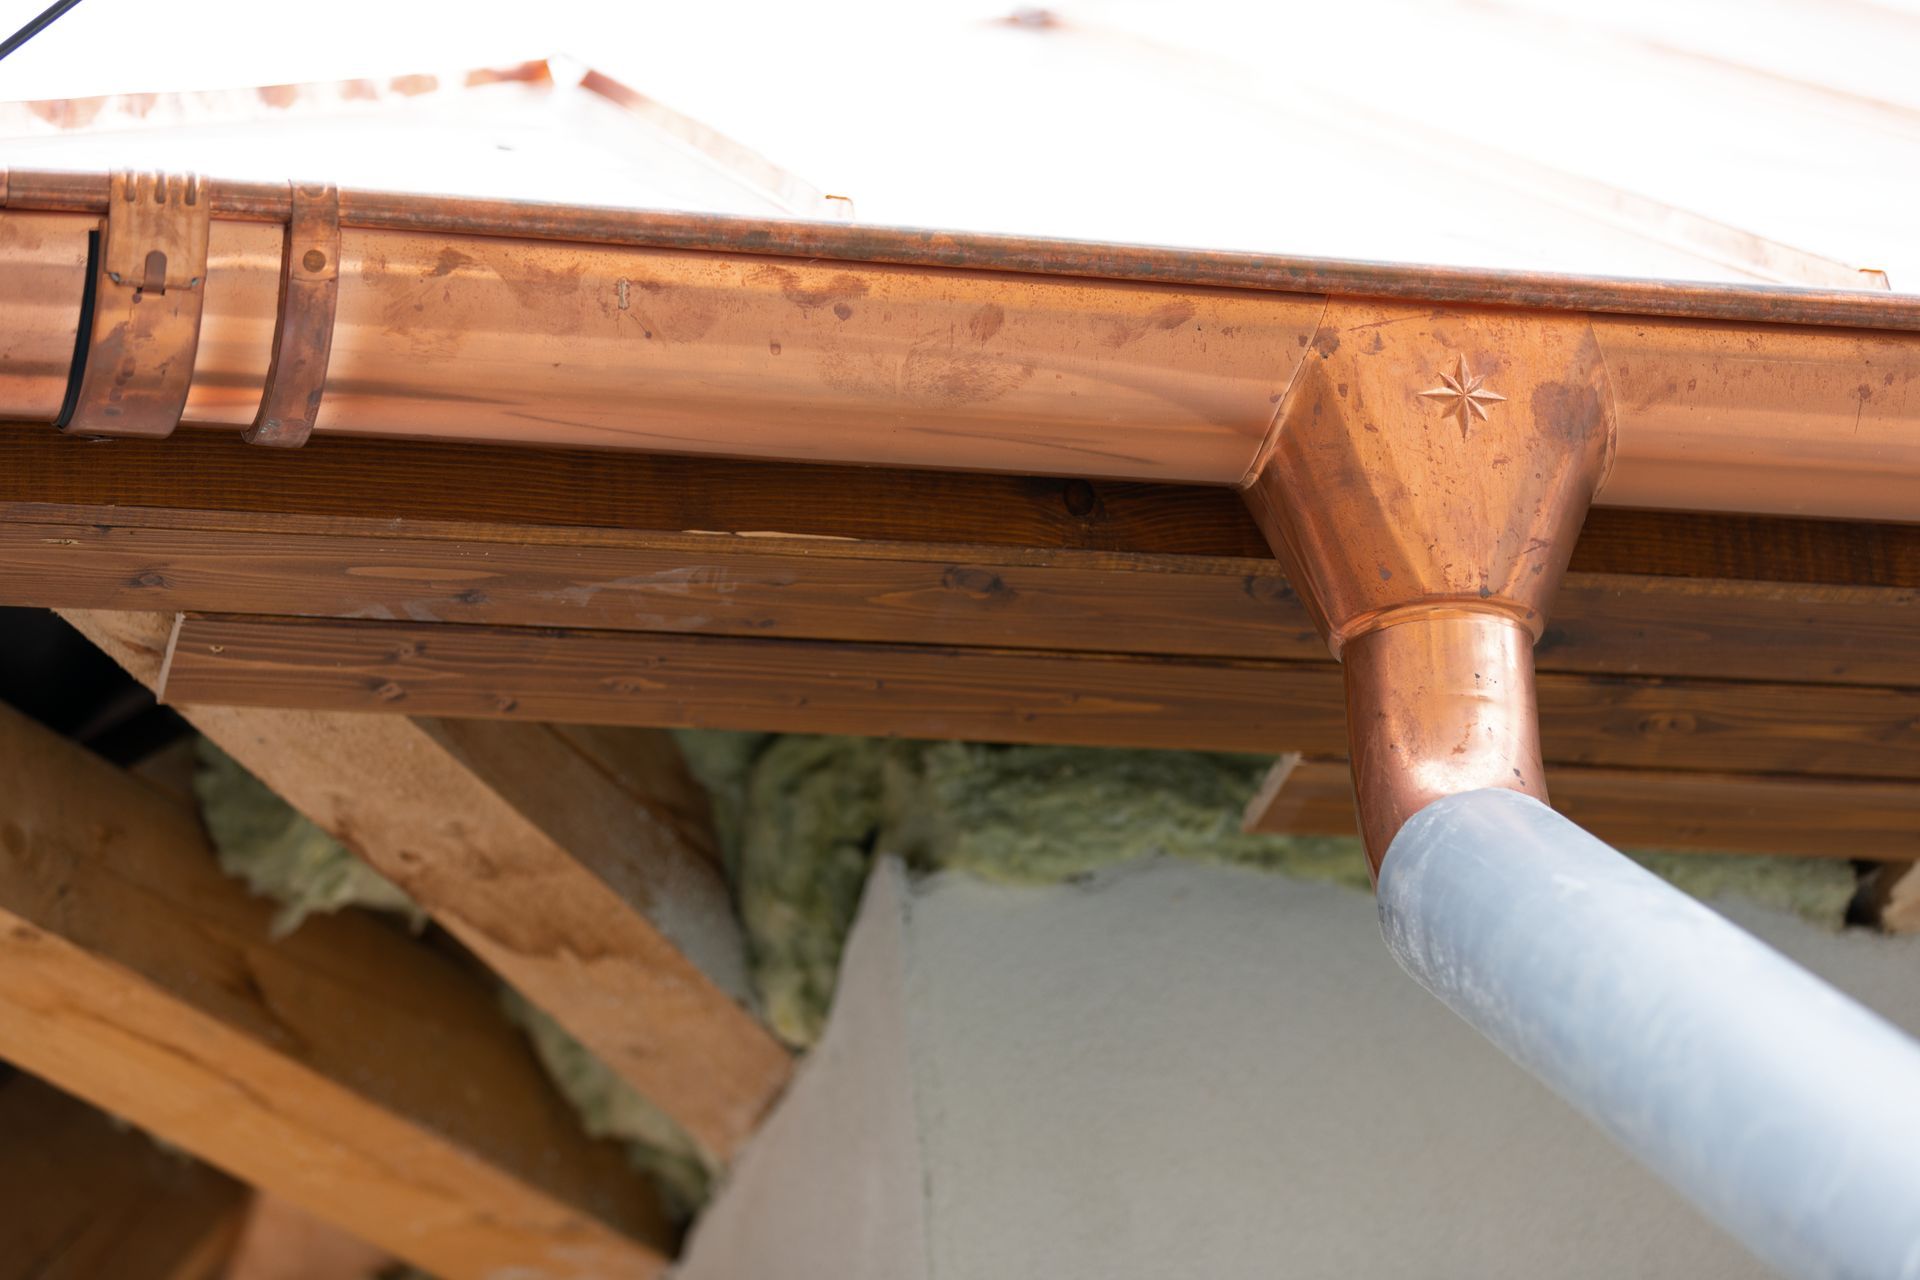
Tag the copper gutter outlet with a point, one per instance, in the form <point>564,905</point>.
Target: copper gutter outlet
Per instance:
<point>1420,444</point>
<point>1430,472</point>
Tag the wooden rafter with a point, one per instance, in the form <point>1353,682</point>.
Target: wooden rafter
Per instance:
<point>576,863</point>
<point>348,1068</point>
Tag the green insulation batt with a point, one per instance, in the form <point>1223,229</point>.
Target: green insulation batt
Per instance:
<point>802,818</point>
<point>281,855</point>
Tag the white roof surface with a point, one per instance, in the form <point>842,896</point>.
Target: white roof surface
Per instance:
<point>1708,139</point>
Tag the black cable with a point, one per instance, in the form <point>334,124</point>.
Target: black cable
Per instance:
<point>83,337</point>
<point>47,18</point>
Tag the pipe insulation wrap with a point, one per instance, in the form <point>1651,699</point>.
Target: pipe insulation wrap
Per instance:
<point>1785,1111</point>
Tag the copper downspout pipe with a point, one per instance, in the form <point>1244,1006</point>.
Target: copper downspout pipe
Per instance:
<point>1420,444</point>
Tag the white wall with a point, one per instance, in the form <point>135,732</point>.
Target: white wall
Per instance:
<point>1187,1071</point>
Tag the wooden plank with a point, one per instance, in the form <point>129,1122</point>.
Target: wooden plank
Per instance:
<point>900,593</point>
<point>995,695</point>
<point>804,588</point>
<point>86,1197</point>
<point>578,865</point>
<point>404,483</point>
<point>1722,812</point>
<point>350,1068</point>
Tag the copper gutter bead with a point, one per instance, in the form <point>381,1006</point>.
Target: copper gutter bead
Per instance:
<point>1027,255</point>
<point>1429,471</point>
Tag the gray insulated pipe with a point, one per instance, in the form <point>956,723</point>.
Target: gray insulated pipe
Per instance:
<point>1785,1111</point>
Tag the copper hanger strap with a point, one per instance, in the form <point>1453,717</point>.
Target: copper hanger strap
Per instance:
<point>303,330</point>
<point>148,290</point>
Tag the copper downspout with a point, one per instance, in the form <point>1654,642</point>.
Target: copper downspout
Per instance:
<point>1420,444</point>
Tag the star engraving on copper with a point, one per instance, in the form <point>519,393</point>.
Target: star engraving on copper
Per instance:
<point>1464,394</point>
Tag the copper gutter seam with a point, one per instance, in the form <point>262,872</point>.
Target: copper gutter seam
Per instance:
<point>1611,453</point>
<point>54,191</point>
<point>1272,437</point>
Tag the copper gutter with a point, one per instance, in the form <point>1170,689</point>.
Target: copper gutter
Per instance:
<point>1421,444</point>
<point>491,320</point>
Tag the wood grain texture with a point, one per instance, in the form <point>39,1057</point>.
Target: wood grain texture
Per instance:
<point>903,593</point>
<point>82,1196</point>
<point>995,695</point>
<point>348,1067</point>
<point>403,482</point>
<point>577,864</point>
<point>1717,812</point>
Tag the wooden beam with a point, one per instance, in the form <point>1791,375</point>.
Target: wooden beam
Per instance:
<point>995,695</point>
<point>84,1196</point>
<point>470,534</point>
<point>799,588</point>
<point>405,482</point>
<point>348,1067</point>
<point>1714,812</point>
<point>578,865</point>
<point>401,485</point>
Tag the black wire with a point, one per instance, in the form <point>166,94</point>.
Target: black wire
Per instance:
<point>46,19</point>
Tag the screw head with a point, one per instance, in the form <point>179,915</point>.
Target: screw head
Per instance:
<point>1080,498</point>
<point>314,260</point>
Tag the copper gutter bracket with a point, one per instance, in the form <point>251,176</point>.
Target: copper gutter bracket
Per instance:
<point>303,329</point>
<point>1429,472</point>
<point>149,287</point>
